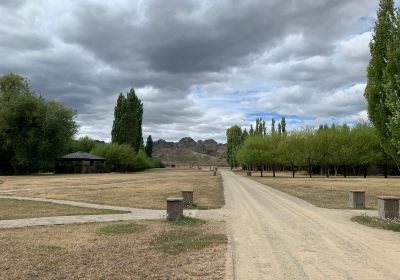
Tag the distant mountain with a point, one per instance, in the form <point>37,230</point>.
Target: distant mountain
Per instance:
<point>189,152</point>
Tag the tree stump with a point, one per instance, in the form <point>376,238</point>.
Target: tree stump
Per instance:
<point>174,208</point>
<point>388,206</point>
<point>357,199</point>
<point>187,198</point>
<point>215,173</point>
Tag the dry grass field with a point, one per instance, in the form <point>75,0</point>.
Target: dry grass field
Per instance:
<point>147,189</point>
<point>123,250</point>
<point>11,209</point>
<point>330,192</point>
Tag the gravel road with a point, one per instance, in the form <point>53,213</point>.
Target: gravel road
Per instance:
<point>274,235</point>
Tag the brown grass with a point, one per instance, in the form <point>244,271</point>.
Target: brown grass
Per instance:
<point>20,209</point>
<point>331,192</point>
<point>83,252</point>
<point>141,189</point>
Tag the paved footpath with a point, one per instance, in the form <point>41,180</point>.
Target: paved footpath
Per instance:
<point>277,236</point>
<point>135,214</point>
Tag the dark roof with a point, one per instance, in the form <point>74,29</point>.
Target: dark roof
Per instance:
<point>82,156</point>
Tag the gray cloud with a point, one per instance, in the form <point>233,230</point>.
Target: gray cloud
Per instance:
<point>188,58</point>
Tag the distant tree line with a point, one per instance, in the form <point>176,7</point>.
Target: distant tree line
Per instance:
<point>328,150</point>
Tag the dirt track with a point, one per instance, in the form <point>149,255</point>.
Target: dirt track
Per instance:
<point>277,236</point>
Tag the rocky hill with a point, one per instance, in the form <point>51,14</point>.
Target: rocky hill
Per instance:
<point>188,152</point>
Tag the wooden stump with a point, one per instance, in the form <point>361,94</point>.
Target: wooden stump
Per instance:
<point>388,206</point>
<point>187,198</point>
<point>357,199</point>
<point>174,208</point>
<point>215,173</point>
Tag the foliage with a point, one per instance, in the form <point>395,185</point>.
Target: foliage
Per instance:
<point>148,149</point>
<point>123,158</point>
<point>83,144</point>
<point>392,89</point>
<point>330,148</point>
<point>234,141</point>
<point>375,222</point>
<point>127,125</point>
<point>33,131</point>
<point>382,91</point>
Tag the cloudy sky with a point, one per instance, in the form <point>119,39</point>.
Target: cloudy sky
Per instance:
<point>198,66</point>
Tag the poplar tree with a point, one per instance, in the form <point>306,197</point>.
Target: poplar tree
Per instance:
<point>234,142</point>
<point>273,125</point>
<point>392,88</point>
<point>375,93</point>
<point>149,146</point>
<point>127,125</point>
<point>283,125</point>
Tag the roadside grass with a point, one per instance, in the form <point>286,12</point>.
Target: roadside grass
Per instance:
<point>120,229</point>
<point>330,192</point>
<point>375,222</point>
<point>138,190</point>
<point>11,209</point>
<point>187,221</point>
<point>175,242</point>
<point>146,249</point>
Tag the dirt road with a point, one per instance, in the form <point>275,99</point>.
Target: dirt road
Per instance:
<point>277,236</point>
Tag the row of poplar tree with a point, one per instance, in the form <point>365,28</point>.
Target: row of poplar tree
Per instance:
<point>328,150</point>
<point>338,148</point>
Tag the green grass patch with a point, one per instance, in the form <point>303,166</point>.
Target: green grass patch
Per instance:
<point>175,242</point>
<point>120,229</point>
<point>198,207</point>
<point>375,222</point>
<point>187,221</point>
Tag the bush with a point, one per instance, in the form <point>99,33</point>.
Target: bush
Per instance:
<point>123,158</point>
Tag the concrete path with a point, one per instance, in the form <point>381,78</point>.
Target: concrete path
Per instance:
<point>135,214</point>
<point>277,236</point>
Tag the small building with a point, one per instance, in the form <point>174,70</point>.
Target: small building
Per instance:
<point>80,162</point>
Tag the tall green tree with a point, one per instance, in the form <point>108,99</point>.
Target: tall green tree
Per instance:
<point>33,131</point>
<point>234,142</point>
<point>127,125</point>
<point>149,147</point>
<point>392,88</point>
<point>375,92</point>
<point>283,125</point>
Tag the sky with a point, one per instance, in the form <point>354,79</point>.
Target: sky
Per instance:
<point>198,66</point>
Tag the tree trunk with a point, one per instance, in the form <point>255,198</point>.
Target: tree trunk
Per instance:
<point>327,172</point>
<point>293,171</point>
<point>344,171</point>
<point>336,168</point>
<point>261,172</point>
<point>273,171</point>
<point>365,171</point>
<point>385,167</point>
<point>13,164</point>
